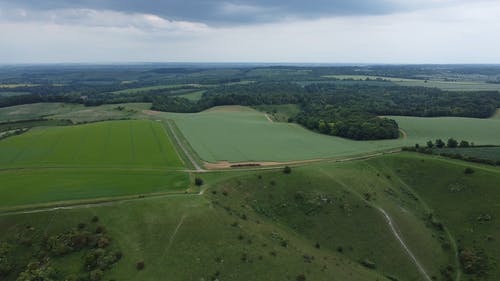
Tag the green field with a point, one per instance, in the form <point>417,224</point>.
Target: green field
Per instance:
<point>443,85</point>
<point>89,161</point>
<point>194,96</point>
<point>36,111</point>
<point>158,87</point>
<point>241,134</point>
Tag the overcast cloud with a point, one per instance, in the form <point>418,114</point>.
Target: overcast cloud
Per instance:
<point>360,31</point>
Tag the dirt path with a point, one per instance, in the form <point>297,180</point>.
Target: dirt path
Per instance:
<point>269,118</point>
<point>403,244</point>
<point>391,225</point>
<point>188,155</point>
<point>91,205</point>
<point>173,236</point>
<point>403,132</point>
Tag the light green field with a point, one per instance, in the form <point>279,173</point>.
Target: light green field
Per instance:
<point>443,85</point>
<point>242,134</point>
<point>36,110</point>
<point>74,112</point>
<point>364,77</point>
<point>97,160</point>
<point>194,96</point>
<point>11,86</point>
<point>158,87</point>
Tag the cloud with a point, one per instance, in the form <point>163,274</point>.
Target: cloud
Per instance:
<point>98,18</point>
<point>458,32</point>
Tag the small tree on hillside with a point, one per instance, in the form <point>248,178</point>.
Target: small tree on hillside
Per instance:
<point>198,181</point>
<point>287,170</point>
<point>439,143</point>
<point>452,143</point>
<point>430,144</point>
<point>464,144</point>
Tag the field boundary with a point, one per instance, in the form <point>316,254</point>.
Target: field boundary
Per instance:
<point>190,156</point>
<point>81,204</point>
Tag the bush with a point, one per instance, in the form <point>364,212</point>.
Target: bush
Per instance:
<point>198,181</point>
<point>287,170</point>
<point>140,265</point>
<point>95,219</point>
<point>468,171</point>
<point>301,277</point>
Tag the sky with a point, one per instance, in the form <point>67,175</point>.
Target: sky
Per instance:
<point>276,31</point>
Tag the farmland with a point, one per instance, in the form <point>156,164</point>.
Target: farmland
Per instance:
<point>114,158</point>
<point>249,136</point>
<point>489,153</point>
<point>240,173</point>
<point>443,85</point>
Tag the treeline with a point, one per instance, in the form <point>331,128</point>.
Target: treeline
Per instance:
<point>408,101</point>
<point>346,110</point>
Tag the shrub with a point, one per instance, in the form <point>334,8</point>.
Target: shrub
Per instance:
<point>468,171</point>
<point>287,170</point>
<point>140,265</point>
<point>198,181</point>
<point>95,219</point>
<point>301,277</point>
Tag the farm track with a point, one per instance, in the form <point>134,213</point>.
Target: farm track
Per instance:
<point>181,145</point>
<point>110,202</point>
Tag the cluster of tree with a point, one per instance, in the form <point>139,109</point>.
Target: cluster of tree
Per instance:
<point>451,143</point>
<point>335,121</point>
<point>92,239</point>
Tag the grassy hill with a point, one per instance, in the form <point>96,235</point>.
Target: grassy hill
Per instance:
<point>321,222</point>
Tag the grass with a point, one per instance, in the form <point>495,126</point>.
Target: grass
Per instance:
<point>89,161</point>
<point>12,86</point>
<point>241,134</point>
<point>267,225</point>
<point>193,96</point>
<point>74,112</point>
<point>461,201</point>
<point>158,87</point>
<point>370,77</point>
<point>36,111</point>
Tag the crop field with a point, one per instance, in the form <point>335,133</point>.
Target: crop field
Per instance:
<point>490,153</point>
<point>242,134</point>
<point>89,161</point>
<point>106,144</point>
<point>443,85</point>
<point>74,112</point>
<point>158,87</point>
